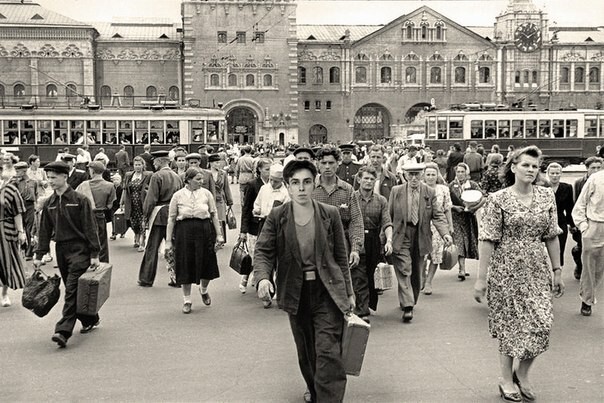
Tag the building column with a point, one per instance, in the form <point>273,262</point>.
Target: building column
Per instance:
<point>34,81</point>
<point>88,78</point>
<point>572,77</point>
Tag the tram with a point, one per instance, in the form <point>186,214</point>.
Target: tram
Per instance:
<point>565,136</point>
<point>43,131</point>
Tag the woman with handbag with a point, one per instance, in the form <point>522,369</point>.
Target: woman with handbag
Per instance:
<point>194,230</point>
<point>12,234</point>
<point>223,195</point>
<point>434,179</point>
<point>133,196</point>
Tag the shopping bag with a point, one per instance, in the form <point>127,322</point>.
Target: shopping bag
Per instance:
<point>383,276</point>
<point>230,218</point>
<point>241,261</point>
<point>450,256</point>
<point>41,293</point>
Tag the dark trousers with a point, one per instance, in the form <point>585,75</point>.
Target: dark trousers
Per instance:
<point>577,251</point>
<point>362,275</point>
<point>317,330</point>
<point>408,268</point>
<point>73,259</point>
<point>29,217</point>
<point>101,229</point>
<point>148,269</point>
<point>562,239</point>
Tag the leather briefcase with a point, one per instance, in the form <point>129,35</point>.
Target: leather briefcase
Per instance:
<point>93,289</point>
<point>354,343</point>
<point>241,261</point>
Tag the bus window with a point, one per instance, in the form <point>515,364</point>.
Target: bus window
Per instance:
<point>591,126</point>
<point>60,132</point>
<point>141,131</point>
<point>517,128</point>
<point>93,128</point>
<point>157,132</point>
<point>531,128</point>
<point>109,132</point>
<point>28,132</point>
<point>172,132</point>
<point>442,128</point>
<point>431,127</point>
<point>197,131</point>
<point>476,129</point>
<point>571,127</point>
<point>558,128</point>
<point>213,132</point>
<point>490,129</point>
<point>44,132</point>
<point>504,129</point>
<point>545,128</point>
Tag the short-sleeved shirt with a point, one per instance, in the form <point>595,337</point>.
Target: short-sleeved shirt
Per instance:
<point>186,204</point>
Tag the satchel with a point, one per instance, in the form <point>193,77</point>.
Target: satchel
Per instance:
<point>41,293</point>
<point>241,261</point>
<point>230,218</point>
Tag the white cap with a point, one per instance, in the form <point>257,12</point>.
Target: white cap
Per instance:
<point>276,171</point>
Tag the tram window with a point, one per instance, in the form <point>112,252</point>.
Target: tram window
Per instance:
<point>504,129</point>
<point>196,134</point>
<point>477,129</point>
<point>44,131</point>
<point>490,129</point>
<point>109,132</point>
<point>601,126</point>
<point>11,136</point>
<point>591,127</point>
<point>93,131</point>
<point>571,127</point>
<point>157,132</point>
<point>517,128</point>
<point>125,131</point>
<point>558,128</point>
<point>213,131</point>
<point>442,128</point>
<point>172,132</point>
<point>60,132</point>
<point>432,128</point>
<point>545,128</point>
<point>531,128</point>
<point>455,128</point>
<point>141,131</point>
<point>77,132</point>
<point>28,132</point>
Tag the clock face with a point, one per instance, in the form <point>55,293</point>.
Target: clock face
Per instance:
<point>527,37</point>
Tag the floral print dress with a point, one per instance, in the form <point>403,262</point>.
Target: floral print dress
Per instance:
<point>519,283</point>
<point>443,202</point>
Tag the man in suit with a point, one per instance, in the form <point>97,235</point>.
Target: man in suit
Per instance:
<point>564,204</point>
<point>413,207</point>
<point>148,158</point>
<point>304,239</point>
<point>76,176</point>
<point>122,161</point>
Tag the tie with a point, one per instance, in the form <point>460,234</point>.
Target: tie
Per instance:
<point>414,207</point>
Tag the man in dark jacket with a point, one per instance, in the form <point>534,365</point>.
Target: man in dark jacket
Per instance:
<point>456,157</point>
<point>76,176</point>
<point>122,161</point>
<point>146,155</point>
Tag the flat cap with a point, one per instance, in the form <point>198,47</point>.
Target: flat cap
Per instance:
<point>413,167</point>
<point>21,165</point>
<point>160,154</point>
<point>193,156</point>
<point>97,166</point>
<point>214,158</point>
<point>304,150</point>
<point>347,147</point>
<point>68,157</point>
<point>58,166</point>
<point>276,171</point>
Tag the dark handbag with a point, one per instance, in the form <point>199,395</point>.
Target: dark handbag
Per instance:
<point>241,261</point>
<point>230,218</point>
<point>41,293</point>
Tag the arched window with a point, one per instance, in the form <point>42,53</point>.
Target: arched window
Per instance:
<point>564,75</point>
<point>360,75</point>
<point>439,32</point>
<point>579,75</point>
<point>411,75</point>
<point>517,77</point>
<point>151,92</point>
<point>19,90</point>
<point>535,77</point>
<point>214,80</point>
<point>71,91</point>
<point>435,75</point>
<point>106,93</point>
<point>484,75</point>
<point>386,75</point>
<point>460,75</point>
<point>317,134</point>
<point>129,95</point>
<point>594,75</point>
<point>424,32</point>
<point>526,77</point>
<point>317,73</point>
<point>267,80</point>
<point>51,91</point>
<point>334,75</point>
<point>174,94</point>
<point>409,30</point>
<point>301,75</point>
<point>249,80</point>
<point>232,80</point>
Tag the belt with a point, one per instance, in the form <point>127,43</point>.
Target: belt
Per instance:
<point>310,275</point>
<point>410,224</point>
<point>371,231</point>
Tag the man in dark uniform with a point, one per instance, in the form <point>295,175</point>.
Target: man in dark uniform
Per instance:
<point>101,194</point>
<point>76,176</point>
<point>29,192</point>
<point>148,158</point>
<point>347,169</point>
<point>163,184</point>
<point>68,216</point>
<point>195,160</point>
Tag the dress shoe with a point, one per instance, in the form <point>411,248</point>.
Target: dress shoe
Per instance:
<point>6,301</point>
<point>428,290</point>
<point>206,298</point>
<point>526,393</point>
<point>59,339</point>
<point>141,248</point>
<point>89,328</point>
<point>267,304</point>
<point>173,284</point>
<point>408,315</point>
<point>585,309</point>
<point>461,276</point>
<point>141,284</point>
<point>509,396</point>
<point>112,237</point>
<point>186,308</point>
<point>242,288</point>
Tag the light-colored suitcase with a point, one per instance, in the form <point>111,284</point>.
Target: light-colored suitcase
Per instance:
<point>383,277</point>
<point>354,343</point>
<point>93,289</point>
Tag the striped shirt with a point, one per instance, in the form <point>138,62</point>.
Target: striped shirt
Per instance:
<point>12,206</point>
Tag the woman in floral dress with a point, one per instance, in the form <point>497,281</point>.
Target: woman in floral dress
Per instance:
<point>433,178</point>
<point>517,220</point>
<point>133,196</point>
<point>490,182</point>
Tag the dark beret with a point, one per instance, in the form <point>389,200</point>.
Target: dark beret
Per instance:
<point>214,158</point>
<point>58,166</point>
<point>347,147</point>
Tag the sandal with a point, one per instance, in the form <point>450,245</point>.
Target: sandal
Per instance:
<point>526,393</point>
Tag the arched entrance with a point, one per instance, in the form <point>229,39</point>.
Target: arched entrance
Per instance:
<point>241,125</point>
<point>371,122</point>
<point>281,139</point>
<point>415,109</point>
<point>317,134</point>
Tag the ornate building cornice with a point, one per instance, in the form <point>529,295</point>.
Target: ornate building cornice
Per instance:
<point>144,55</point>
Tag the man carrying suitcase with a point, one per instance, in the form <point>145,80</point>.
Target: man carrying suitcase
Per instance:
<point>69,216</point>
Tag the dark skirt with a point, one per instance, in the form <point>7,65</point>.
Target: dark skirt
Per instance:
<point>195,257</point>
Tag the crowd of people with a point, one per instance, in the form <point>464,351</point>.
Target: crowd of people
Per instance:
<point>317,224</point>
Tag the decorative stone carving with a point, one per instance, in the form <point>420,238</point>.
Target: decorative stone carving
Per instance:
<point>48,51</point>
<point>127,54</point>
<point>598,57</point>
<point>172,54</point>
<point>72,51</point>
<point>249,62</point>
<point>105,54</point>
<point>150,54</point>
<point>214,63</point>
<point>329,55</point>
<point>3,51</point>
<point>20,51</point>
<point>306,55</point>
<point>573,57</point>
<point>268,62</point>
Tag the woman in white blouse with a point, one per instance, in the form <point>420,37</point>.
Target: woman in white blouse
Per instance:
<point>194,232</point>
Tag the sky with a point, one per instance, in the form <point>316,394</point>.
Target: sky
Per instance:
<point>370,12</point>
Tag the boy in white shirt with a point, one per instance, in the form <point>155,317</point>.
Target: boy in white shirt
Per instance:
<point>272,194</point>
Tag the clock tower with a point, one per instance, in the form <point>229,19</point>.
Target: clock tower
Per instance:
<point>522,33</point>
